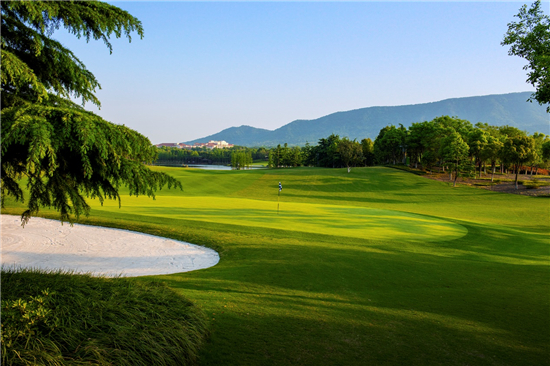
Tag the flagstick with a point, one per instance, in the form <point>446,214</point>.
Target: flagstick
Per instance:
<point>278,195</point>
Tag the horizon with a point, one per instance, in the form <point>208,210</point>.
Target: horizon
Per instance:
<point>312,119</point>
<point>203,67</point>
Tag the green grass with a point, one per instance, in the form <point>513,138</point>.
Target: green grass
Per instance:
<point>534,183</point>
<point>377,266</point>
<point>59,318</point>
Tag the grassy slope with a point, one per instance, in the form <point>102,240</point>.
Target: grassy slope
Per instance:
<point>376,266</point>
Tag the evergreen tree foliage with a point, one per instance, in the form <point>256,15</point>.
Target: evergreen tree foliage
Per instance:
<point>326,152</point>
<point>64,152</point>
<point>308,155</point>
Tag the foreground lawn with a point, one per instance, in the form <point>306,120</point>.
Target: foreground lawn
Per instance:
<point>60,318</point>
<point>377,266</point>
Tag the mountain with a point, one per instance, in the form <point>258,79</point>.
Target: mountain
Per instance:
<point>497,110</point>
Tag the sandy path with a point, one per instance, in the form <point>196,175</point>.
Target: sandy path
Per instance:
<point>46,244</point>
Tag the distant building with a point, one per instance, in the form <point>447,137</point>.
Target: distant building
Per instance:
<point>213,144</point>
<point>218,144</point>
<point>209,145</point>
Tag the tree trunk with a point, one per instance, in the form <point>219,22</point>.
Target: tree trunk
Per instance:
<point>480,169</point>
<point>493,166</point>
<point>456,177</point>
<point>517,173</point>
<point>456,173</point>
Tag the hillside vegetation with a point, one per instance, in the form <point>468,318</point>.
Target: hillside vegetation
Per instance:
<point>498,110</point>
<point>376,266</point>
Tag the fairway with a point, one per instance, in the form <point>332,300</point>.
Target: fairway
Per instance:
<point>377,266</point>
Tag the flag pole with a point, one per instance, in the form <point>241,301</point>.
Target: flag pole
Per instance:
<point>278,196</point>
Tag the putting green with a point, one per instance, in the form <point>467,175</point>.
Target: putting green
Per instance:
<point>346,221</point>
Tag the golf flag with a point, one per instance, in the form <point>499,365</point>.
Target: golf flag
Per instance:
<point>279,195</point>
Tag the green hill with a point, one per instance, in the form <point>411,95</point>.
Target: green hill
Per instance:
<point>498,110</point>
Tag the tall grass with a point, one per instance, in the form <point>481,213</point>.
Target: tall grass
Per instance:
<point>60,318</point>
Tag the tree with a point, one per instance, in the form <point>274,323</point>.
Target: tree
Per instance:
<point>277,157</point>
<point>368,151</point>
<point>530,39</point>
<point>286,159</point>
<point>455,151</point>
<point>350,152</point>
<point>260,154</point>
<point>389,146</point>
<point>519,150</point>
<point>308,155</point>
<point>65,152</point>
<point>546,151</point>
<point>491,151</point>
<point>477,139</point>
<point>326,152</point>
<point>538,159</point>
<point>296,156</point>
<point>241,159</point>
<point>507,132</point>
<point>270,162</point>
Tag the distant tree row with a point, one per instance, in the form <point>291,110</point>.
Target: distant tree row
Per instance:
<point>285,156</point>
<point>176,156</point>
<point>448,144</point>
<point>457,146</point>
<point>330,152</point>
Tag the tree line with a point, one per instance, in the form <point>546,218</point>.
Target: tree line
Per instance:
<point>237,156</point>
<point>446,144</point>
<point>460,148</point>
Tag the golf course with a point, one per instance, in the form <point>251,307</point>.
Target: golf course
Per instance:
<point>373,267</point>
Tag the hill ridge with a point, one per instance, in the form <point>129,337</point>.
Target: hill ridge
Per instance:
<point>495,109</point>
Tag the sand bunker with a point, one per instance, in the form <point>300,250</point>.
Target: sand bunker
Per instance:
<point>46,244</point>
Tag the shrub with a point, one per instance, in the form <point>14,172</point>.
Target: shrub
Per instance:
<point>59,318</point>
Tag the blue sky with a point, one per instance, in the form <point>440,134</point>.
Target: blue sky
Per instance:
<point>206,66</point>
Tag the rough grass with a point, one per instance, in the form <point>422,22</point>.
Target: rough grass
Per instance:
<point>534,184</point>
<point>377,266</point>
<point>59,318</point>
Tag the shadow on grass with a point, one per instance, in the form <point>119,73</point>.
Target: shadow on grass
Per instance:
<point>321,312</point>
<point>282,297</point>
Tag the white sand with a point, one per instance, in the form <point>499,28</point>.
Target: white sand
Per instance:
<point>46,244</point>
